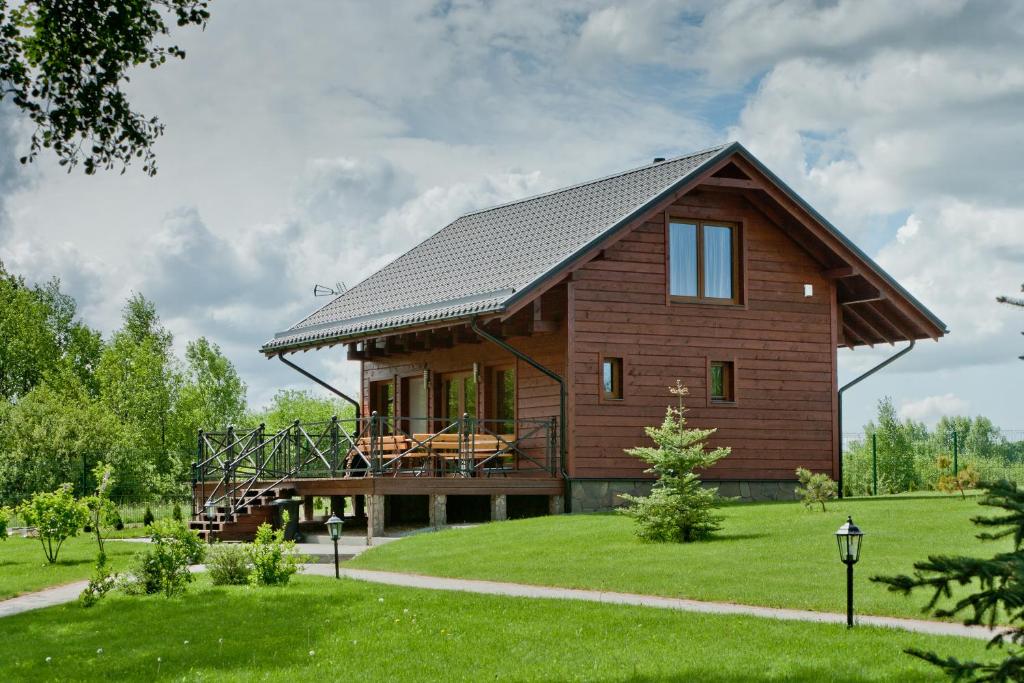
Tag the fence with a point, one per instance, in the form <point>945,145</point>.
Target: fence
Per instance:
<point>879,463</point>
<point>135,485</point>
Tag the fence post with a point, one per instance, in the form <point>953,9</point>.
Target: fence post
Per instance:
<point>874,464</point>
<point>956,454</point>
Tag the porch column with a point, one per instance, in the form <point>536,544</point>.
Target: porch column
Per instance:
<point>307,508</point>
<point>338,506</point>
<point>556,505</point>
<point>499,507</point>
<point>374,517</point>
<point>438,510</point>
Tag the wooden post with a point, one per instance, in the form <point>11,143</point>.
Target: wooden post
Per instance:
<point>438,510</point>
<point>499,507</point>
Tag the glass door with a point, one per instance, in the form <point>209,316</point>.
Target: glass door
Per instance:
<point>458,395</point>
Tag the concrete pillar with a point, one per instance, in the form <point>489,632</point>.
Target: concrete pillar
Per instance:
<point>307,508</point>
<point>374,517</point>
<point>438,504</point>
<point>556,505</point>
<point>338,505</point>
<point>499,507</point>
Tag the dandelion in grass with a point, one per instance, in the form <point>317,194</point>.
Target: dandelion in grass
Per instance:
<point>159,662</point>
<point>380,599</point>
<point>405,611</point>
<point>220,645</point>
<point>312,653</point>
<point>185,643</point>
<point>49,659</point>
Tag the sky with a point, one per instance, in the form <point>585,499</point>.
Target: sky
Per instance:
<point>314,141</point>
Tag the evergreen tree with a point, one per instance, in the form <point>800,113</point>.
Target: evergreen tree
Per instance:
<point>1000,589</point>
<point>679,508</point>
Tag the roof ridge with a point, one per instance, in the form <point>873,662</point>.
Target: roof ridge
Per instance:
<point>635,169</point>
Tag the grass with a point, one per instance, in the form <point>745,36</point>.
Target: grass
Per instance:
<point>23,567</point>
<point>322,629</point>
<point>779,555</point>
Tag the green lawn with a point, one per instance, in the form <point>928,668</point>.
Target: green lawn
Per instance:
<point>322,629</point>
<point>779,555</point>
<point>23,567</point>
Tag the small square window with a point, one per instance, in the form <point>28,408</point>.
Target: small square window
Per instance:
<point>722,382</point>
<point>611,379</point>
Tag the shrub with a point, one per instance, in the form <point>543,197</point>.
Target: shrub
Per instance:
<point>176,513</point>
<point>116,521</point>
<point>57,516</point>
<point>5,519</point>
<point>101,583</point>
<point>147,517</point>
<point>228,564</point>
<point>679,508</point>
<point>165,567</point>
<point>966,478</point>
<point>101,509</point>
<point>815,488</point>
<point>273,559</point>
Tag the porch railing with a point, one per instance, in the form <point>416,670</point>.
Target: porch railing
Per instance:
<point>235,466</point>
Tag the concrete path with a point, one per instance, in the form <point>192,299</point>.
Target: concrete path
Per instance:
<point>58,595</point>
<point>69,593</point>
<point>526,591</point>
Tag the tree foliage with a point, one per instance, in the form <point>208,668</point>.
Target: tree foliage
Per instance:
<point>273,559</point>
<point>679,508</point>
<point>212,395</point>
<point>56,516</point>
<point>289,405</point>
<point>165,568</point>
<point>65,64</point>
<point>997,589</point>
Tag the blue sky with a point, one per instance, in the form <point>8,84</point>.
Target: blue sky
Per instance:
<point>315,141</point>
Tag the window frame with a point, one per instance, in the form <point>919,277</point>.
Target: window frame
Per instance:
<point>491,395</point>
<point>603,397</point>
<point>732,365</point>
<point>736,227</point>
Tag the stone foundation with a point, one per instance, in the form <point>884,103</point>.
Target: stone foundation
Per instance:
<point>599,495</point>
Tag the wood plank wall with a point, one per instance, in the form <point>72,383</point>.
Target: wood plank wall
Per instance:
<point>780,341</point>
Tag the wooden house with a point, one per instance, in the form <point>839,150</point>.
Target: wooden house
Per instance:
<point>518,351</point>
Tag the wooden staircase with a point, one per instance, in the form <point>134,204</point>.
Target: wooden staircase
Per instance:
<point>240,525</point>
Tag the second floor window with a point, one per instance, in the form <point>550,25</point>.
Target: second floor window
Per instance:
<point>702,261</point>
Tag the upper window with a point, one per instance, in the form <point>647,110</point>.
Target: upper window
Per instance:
<point>611,379</point>
<point>702,261</point>
<point>722,379</point>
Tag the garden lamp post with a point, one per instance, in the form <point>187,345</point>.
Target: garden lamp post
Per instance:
<point>849,538</point>
<point>334,529</point>
<point>211,514</point>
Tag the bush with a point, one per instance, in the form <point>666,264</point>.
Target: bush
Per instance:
<point>147,517</point>
<point>815,488</point>
<point>679,508</point>
<point>5,519</point>
<point>176,513</point>
<point>228,564</point>
<point>101,583</point>
<point>165,567</point>
<point>57,516</point>
<point>273,559</point>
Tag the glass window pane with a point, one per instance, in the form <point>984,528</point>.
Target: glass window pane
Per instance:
<point>717,262</point>
<point>682,259</point>
<point>608,377</point>
<point>470,396</point>
<point>717,381</point>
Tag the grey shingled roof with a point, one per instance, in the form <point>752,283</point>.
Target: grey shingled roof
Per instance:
<point>484,260</point>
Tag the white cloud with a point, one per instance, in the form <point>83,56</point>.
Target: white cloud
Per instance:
<point>930,408</point>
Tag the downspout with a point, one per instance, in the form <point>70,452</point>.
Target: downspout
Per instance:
<point>322,383</point>
<point>857,380</point>
<point>567,498</point>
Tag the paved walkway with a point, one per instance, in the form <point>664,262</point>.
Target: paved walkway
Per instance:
<point>58,595</point>
<point>69,593</point>
<point>526,591</point>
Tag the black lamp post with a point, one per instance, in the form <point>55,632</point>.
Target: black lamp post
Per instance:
<point>334,529</point>
<point>849,538</point>
<point>211,513</point>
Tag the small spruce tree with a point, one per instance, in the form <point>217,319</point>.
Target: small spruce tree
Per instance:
<point>815,488</point>
<point>999,583</point>
<point>679,508</point>
<point>176,512</point>
<point>147,517</point>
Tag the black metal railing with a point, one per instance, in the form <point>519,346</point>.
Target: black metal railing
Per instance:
<point>233,467</point>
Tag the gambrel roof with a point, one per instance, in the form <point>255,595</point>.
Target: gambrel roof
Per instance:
<point>487,261</point>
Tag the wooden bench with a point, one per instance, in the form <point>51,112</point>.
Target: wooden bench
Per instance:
<point>387,445</point>
<point>450,448</point>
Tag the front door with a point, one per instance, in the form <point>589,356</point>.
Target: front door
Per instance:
<point>458,395</point>
<point>382,402</point>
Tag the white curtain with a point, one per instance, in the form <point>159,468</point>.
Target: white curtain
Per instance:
<point>717,261</point>
<point>682,259</point>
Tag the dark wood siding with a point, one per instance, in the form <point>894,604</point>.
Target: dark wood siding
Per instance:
<point>780,341</point>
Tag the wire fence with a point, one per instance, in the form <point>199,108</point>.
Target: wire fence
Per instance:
<point>880,463</point>
<point>137,485</point>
